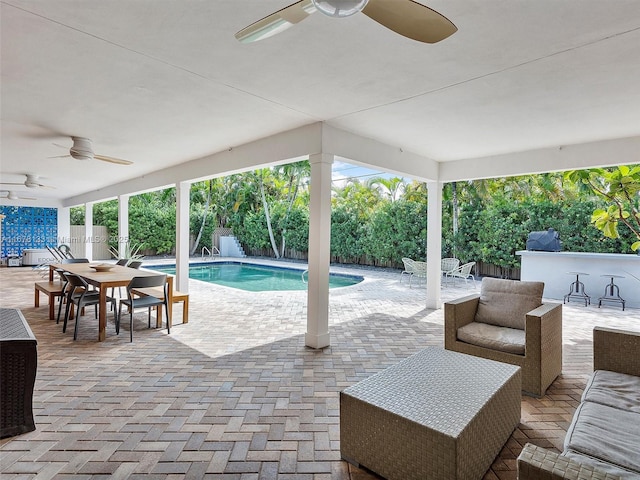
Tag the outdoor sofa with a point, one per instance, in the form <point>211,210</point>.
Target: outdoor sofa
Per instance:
<point>508,322</point>
<point>603,440</point>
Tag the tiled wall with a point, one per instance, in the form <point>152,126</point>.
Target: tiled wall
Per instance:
<point>28,227</point>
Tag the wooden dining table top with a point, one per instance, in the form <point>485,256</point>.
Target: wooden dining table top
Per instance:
<point>118,276</point>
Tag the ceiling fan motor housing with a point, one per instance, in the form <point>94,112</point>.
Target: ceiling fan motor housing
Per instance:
<point>340,8</point>
<point>31,182</point>
<point>82,149</point>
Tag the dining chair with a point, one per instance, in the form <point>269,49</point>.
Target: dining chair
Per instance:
<point>81,296</point>
<point>66,291</point>
<point>134,264</point>
<point>148,301</point>
<point>123,263</point>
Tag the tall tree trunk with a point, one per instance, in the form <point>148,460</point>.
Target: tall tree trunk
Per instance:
<point>292,198</point>
<point>204,221</point>
<point>454,203</point>
<point>265,205</point>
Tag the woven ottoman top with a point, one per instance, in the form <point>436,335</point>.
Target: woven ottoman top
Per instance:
<point>437,388</point>
<point>13,326</point>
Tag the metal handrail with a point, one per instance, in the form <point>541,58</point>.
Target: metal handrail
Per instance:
<point>214,252</point>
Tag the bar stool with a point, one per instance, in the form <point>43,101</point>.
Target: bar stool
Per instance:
<point>611,292</point>
<point>576,290</point>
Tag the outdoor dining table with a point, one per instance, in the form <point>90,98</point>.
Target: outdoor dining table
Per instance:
<point>118,276</point>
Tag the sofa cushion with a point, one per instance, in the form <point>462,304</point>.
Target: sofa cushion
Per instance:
<point>602,466</point>
<point>614,389</point>
<point>510,340</point>
<point>607,434</point>
<point>505,303</point>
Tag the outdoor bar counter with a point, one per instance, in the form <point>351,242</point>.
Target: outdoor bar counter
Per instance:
<point>553,269</point>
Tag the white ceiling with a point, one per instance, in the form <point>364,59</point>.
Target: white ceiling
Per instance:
<point>162,82</point>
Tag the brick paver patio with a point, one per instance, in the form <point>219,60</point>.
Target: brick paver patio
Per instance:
<point>235,394</point>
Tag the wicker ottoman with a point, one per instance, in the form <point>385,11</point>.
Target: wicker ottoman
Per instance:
<point>436,415</point>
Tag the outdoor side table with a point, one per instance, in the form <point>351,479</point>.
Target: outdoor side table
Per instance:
<point>18,363</point>
<point>612,292</point>
<point>576,290</point>
<point>437,414</point>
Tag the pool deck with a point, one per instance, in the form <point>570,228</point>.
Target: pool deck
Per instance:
<point>234,394</point>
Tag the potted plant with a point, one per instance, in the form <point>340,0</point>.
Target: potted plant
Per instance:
<point>130,251</point>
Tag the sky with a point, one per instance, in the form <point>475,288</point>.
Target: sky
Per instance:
<point>342,171</point>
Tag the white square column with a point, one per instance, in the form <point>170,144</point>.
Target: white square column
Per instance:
<point>183,190</point>
<point>434,243</point>
<point>123,225</point>
<point>317,335</point>
<point>88,230</point>
<point>64,226</point>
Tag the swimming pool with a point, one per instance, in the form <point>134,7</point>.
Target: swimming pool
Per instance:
<point>256,278</point>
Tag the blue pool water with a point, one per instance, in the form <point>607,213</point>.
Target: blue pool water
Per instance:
<point>256,278</point>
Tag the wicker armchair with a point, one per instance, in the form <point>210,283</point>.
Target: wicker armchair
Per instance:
<point>508,322</point>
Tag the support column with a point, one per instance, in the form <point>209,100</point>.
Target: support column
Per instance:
<point>317,335</point>
<point>182,236</point>
<point>434,243</point>
<point>88,230</point>
<point>64,226</point>
<point>123,226</point>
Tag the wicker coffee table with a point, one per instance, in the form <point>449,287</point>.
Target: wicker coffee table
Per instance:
<point>437,414</point>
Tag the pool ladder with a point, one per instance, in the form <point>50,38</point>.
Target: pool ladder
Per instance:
<point>307,272</point>
<point>210,253</point>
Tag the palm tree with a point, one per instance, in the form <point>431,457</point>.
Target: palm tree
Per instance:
<point>295,174</point>
<point>204,190</point>
<point>392,187</point>
<point>260,176</point>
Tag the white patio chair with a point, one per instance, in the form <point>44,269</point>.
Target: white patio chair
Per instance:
<point>420,271</point>
<point>448,265</point>
<point>463,272</point>
<point>409,268</point>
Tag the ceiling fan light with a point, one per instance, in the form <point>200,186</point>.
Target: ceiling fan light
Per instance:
<point>340,8</point>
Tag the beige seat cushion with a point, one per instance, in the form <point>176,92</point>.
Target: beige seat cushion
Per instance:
<point>509,340</point>
<point>607,434</point>
<point>614,389</point>
<point>505,303</point>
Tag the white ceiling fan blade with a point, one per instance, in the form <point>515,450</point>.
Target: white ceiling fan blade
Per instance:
<point>7,183</point>
<point>410,19</point>
<point>112,160</point>
<point>276,22</point>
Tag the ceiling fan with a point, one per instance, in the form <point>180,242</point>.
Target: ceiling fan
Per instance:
<point>11,195</point>
<point>82,149</point>
<point>406,17</point>
<point>32,181</point>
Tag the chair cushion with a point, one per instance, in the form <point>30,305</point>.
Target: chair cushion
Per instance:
<point>607,434</point>
<point>614,389</point>
<point>505,303</point>
<point>509,340</point>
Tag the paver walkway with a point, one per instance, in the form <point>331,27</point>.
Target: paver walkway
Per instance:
<point>235,394</point>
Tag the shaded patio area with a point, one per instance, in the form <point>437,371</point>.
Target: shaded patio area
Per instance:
<point>235,394</point>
